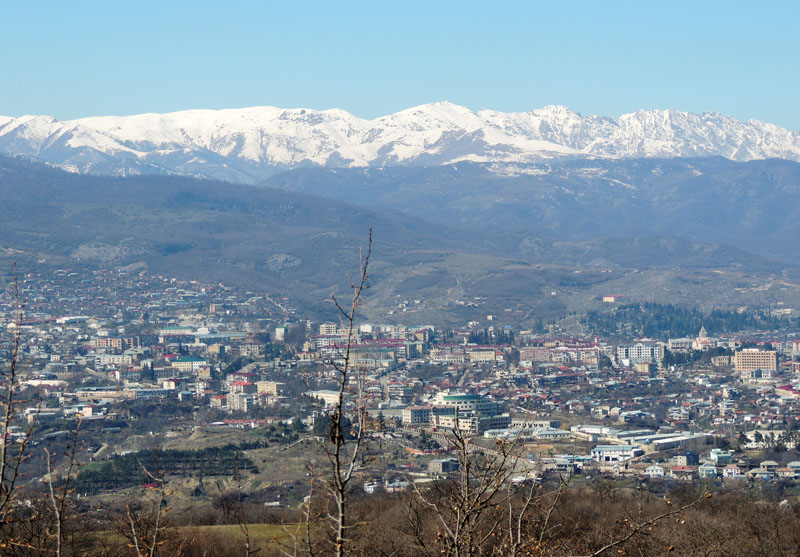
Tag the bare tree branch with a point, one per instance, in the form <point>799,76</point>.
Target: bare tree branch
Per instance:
<point>638,527</point>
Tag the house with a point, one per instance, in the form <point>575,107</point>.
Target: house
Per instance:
<point>732,471</point>
<point>769,466</point>
<point>707,471</point>
<point>682,472</point>
<point>372,487</point>
<point>761,474</point>
<point>794,465</point>
<point>172,383</point>
<point>654,471</point>
<point>787,473</point>
<point>397,486</point>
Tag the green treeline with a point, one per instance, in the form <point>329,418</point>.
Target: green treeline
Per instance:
<point>124,471</point>
<point>655,320</point>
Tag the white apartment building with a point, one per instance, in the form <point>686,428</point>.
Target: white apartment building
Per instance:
<point>643,351</point>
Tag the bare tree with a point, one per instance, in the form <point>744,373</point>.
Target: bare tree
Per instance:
<point>638,526</point>
<point>14,437</point>
<point>468,509</point>
<point>523,509</point>
<point>344,451</point>
<point>241,515</point>
<point>59,495</point>
<point>144,521</point>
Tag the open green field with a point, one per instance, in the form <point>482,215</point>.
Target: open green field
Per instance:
<point>261,535</point>
<point>222,539</point>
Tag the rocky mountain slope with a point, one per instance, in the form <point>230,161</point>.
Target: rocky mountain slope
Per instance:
<point>752,205</point>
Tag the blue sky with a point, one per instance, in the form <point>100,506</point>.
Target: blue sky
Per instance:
<point>74,59</point>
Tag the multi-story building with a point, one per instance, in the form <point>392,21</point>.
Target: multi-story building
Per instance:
<point>112,343</point>
<point>188,364</point>
<point>113,359</point>
<point>534,354</point>
<point>752,363</point>
<point>269,387</point>
<point>249,349</point>
<point>466,403</point>
<point>448,354</point>
<point>468,423</point>
<point>477,356</point>
<point>328,397</point>
<point>642,351</point>
<point>416,415</point>
<point>242,402</point>
<point>472,413</point>
<point>243,387</point>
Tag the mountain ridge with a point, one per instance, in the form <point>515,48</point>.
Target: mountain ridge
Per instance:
<point>751,205</point>
<point>304,246</point>
<point>250,144</point>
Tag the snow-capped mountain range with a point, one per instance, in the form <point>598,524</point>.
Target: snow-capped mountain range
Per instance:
<point>249,144</point>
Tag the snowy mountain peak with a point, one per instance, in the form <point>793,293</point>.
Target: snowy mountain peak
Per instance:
<point>248,144</point>
<point>558,109</point>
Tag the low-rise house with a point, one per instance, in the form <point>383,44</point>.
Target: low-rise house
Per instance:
<point>654,471</point>
<point>372,487</point>
<point>732,471</point>
<point>794,465</point>
<point>397,486</point>
<point>761,474</point>
<point>683,472</point>
<point>769,465</point>
<point>707,471</point>
<point>787,473</point>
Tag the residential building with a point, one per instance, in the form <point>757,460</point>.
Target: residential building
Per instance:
<point>750,361</point>
<point>642,351</point>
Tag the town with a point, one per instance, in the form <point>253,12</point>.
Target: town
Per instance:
<point>134,356</point>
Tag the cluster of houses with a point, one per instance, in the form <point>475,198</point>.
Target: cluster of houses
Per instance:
<point>90,342</point>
